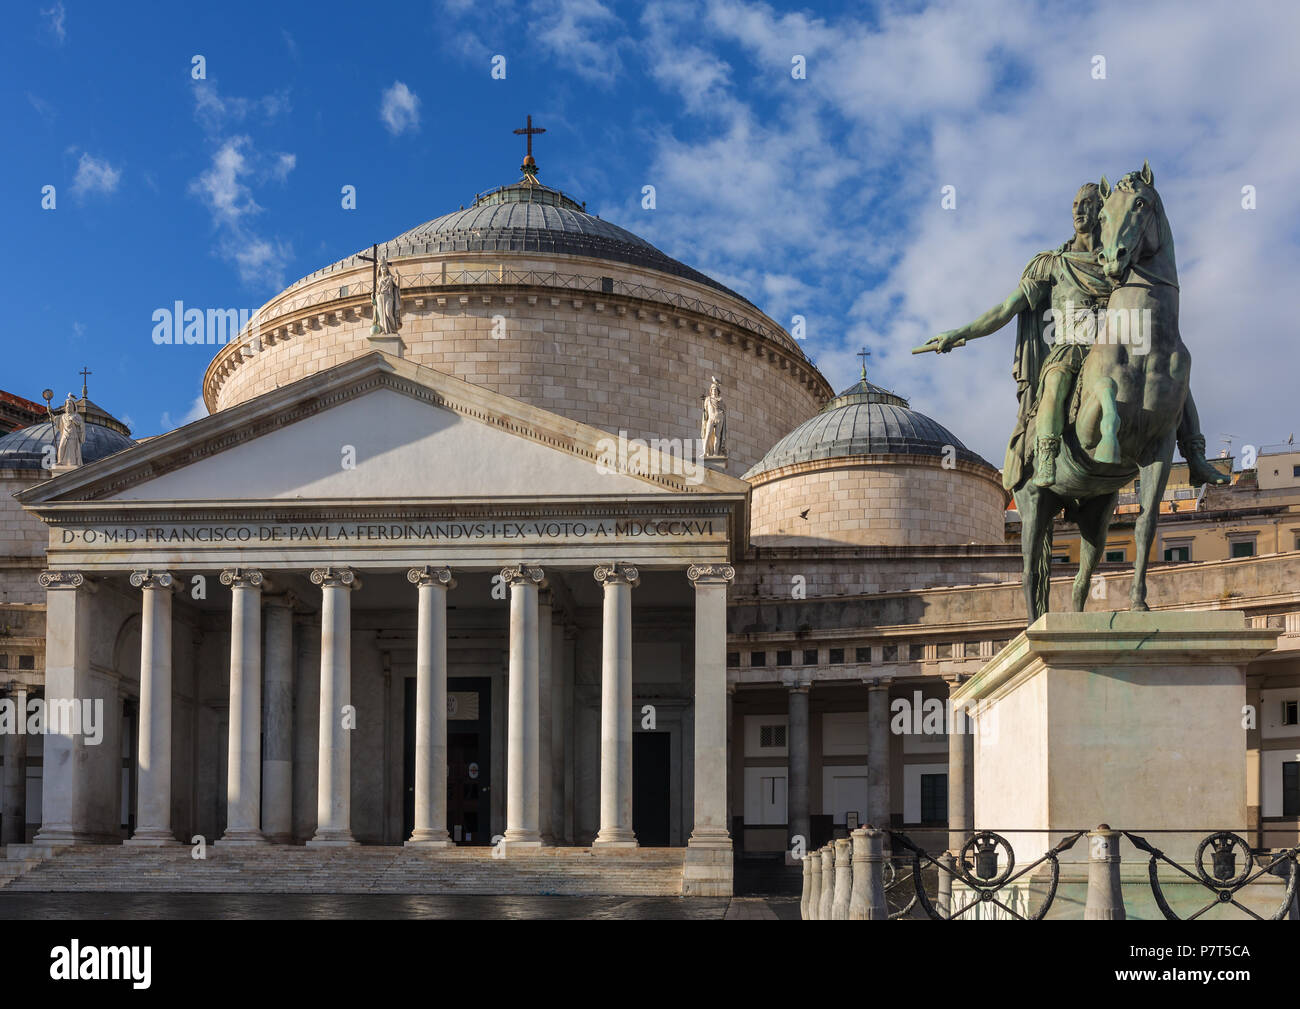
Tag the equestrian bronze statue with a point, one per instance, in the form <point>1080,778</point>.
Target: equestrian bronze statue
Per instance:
<point>1103,381</point>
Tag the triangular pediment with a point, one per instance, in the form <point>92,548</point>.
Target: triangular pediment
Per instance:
<point>379,427</point>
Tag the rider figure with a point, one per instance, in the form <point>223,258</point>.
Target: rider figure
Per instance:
<point>1071,282</point>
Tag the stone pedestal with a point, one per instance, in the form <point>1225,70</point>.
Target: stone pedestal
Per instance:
<point>1130,719</point>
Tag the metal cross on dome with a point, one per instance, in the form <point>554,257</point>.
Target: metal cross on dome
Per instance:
<point>864,354</point>
<point>529,167</point>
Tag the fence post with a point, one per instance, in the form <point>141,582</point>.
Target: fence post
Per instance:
<point>828,884</point>
<point>843,879</point>
<point>1105,896</point>
<point>867,902</point>
<point>807,861</point>
<point>943,900</point>
<point>814,862</point>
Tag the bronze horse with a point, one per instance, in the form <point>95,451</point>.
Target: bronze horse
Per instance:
<point>1128,403</point>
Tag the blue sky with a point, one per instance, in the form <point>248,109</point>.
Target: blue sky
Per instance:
<point>818,197</point>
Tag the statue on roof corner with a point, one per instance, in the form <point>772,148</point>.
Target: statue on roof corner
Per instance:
<point>387,302</point>
<point>713,423</point>
<point>70,427</point>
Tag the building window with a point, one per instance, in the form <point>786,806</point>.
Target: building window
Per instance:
<point>889,653</point>
<point>1178,553</point>
<point>810,656</point>
<point>733,659</point>
<point>1295,471</point>
<point>915,653</point>
<point>934,798</point>
<point>771,736</point>
<point>1000,644</point>
<point>837,656</point>
<point>27,662</point>
<point>864,654</point>
<point>972,649</point>
<point>785,658</point>
<point>4,661</point>
<point>1060,558</point>
<point>1291,788</point>
<point>1115,556</point>
<point>943,651</point>
<point>758,658</point>
<point>1290,714</point>
<point>1243,548</point>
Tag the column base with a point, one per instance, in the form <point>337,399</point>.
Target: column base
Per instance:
<point>516,839</point>
<point>61,837</point>
<point>240,838</point>
<point>711,838</point>
<point>147,837</point>
<point>615,837</point>
<point>333,839</point>
<point>429,839</point>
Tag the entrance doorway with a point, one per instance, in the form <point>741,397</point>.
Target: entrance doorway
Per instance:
<point>651,788</point>
<point>469,735</point>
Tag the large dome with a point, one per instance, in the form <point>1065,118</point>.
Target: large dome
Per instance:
<point>864,420</point>
<point>527,217</point>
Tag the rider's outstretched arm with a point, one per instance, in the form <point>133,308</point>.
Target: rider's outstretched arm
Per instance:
<point>997,316</point>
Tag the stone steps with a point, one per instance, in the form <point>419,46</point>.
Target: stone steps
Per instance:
<point>396,870</point>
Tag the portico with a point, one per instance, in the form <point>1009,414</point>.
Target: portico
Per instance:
<point>379,523</point>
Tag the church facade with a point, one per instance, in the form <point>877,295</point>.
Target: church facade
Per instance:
<point>516,532</point>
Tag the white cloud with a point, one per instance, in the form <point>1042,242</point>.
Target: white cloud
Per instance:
<point>197,411</point>
<point>261,261</point>
<point>217,112</point>
<point>94,175</point>
<point>56,21</point>
<point>399,109</point>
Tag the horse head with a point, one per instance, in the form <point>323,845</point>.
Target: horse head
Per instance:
<point>1134,228</point>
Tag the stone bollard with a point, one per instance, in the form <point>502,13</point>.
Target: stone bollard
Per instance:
<point>868,900</point>
<point>943,900</point>
<point>828,884</point>
<point>807,886</point>
<point>843,879</point>
<point>813,860</point>
<point>1105,897</point>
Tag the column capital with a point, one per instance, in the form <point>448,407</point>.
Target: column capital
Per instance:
<point>711,574</point>
<point>879,682</point>
<point>797,684</point>
<point>955,679</point>
<point>617,573</point>
<point>150,579</point>
<point>431,575</point>
<point>62,580</point>
<point>522,574</point>
<point>335,577</point>
<point>242,578</point>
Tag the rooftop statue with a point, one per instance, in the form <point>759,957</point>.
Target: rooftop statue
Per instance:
<point>71,429</point>
<point>1103,381</point>
<point>387,302</point>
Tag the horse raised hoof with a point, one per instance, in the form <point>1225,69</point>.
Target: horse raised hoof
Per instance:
<point>1107,451</point>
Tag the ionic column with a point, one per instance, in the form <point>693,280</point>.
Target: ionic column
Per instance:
<point>545,680</point>
<point>244,763</point>
<point>334,765</point>
<point>878,755</point>
<point>710,581</point>
<point>277,720</point>
<point>13,814</point>
<point>64,785</point>
<point>522,726</point>
<point>559,730</point>
<point>154,778</point>
<point>615,831</point>
<point>797,791</point>
<point>961,780</point>
<point>431,707</point>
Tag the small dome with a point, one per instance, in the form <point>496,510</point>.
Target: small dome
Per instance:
<point>528,217</point>
<point>863,420</point>
<point>25,448</point>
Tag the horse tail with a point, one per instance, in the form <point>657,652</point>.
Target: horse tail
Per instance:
<point>1043,581</point>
